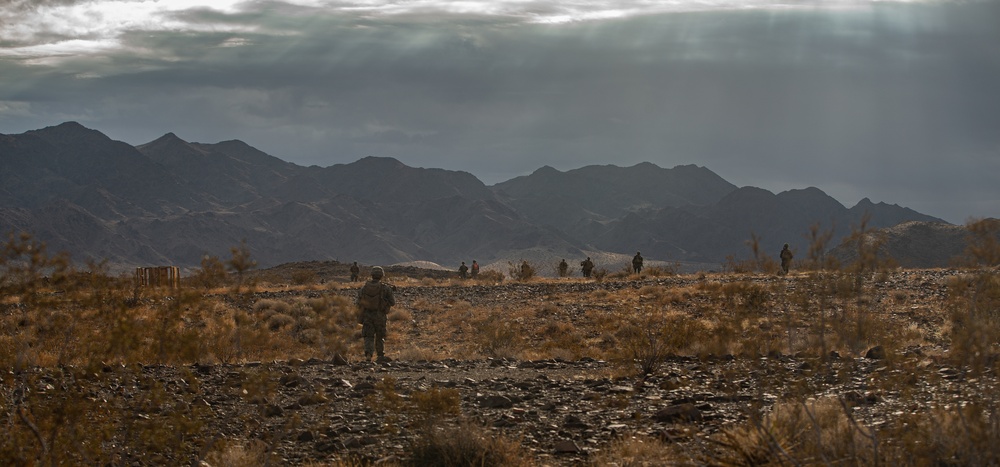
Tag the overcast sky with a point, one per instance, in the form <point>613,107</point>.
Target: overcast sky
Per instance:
<point>895,101</point>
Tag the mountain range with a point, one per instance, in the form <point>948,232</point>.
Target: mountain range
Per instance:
<point>173,202</point>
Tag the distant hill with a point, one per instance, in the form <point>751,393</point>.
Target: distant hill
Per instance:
<point>913,244</point>
<point>603,193</point>
<point>171,201</point>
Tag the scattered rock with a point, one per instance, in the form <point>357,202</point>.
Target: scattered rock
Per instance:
<point>686,412</point>
<point>875,353</point>
<point>565,446</point>
<point>496,402</point>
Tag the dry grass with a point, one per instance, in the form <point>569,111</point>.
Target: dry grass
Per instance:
<point>641,452</point>
<point>813,433</point>
<point>52,315</point>
<point>466,445</point>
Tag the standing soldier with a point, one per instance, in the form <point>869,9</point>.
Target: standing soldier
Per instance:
<point>475,269</point>
<point>637,263</point>
<point>355,271</point>
<point>786,259</point>
<point>586,266</point>
<point>375,298</point>
<point>463,270</point>
<point>563,268</point>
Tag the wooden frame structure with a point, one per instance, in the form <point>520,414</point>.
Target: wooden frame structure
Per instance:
<point>159,276</point>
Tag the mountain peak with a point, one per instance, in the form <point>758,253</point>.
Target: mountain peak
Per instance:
<point>546,170</point>
<point>646,166</point>
<point>169,137</point>
<point>168,140</point>
<point>67,128</point>
<point>71,125</point>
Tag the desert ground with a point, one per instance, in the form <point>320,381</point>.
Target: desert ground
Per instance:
<point>859,367</point>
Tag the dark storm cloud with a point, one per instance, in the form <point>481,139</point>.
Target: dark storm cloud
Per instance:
<point>872,100</point>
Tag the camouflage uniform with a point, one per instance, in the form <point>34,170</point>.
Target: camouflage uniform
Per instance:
<point>373,321</point>
<point>786,259</point>
<point>637,263</point>
<point>586,266</point>
<point>462,270</point>
<point>355,271</point>
<point>563,268</point>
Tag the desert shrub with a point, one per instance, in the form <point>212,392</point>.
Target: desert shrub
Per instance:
<point>429,281</point>
<point>279,321</point>
<point>983,243</point>
<point>399,314</point>
<point>640,452</point>
<point>415,353</point>
<point>974,318</point>
<point>497,336</point>
<point>661,271</point>
<point>435,403</point>
<point>599,273</point>
<point>240,264</point>
<point>649,337</point>
<point>310,336</point>
<point>856,330</point>
<point>226,453</point>
<point>303,277</point>
<point>521,272</point>
<point>561,339</point>
<point>212,273</point>
<point>732,265</point>
<point>621,274</point>
<point>465,445</point>
<point>964,434</point>
<point>569,272</point>
<point>797,433</point>
<point>267,307</point>
<point>490,275</point>
<point>746,296</point>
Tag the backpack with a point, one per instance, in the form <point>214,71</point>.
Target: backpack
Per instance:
<point>370,297</point>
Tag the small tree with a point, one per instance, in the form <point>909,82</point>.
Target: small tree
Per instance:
<point>212,273</point>
<point>241,262</point>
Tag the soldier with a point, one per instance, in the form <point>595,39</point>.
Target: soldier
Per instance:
<point>586,266</point>
<point>786,259</point>
<point>563,268</point>
<point>475,269</point>
<point>355,271</point>
<point>637,262</point>
<point>375,298</point>
<point>463,270</point>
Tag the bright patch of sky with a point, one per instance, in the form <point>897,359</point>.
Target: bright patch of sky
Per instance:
<point>64,26</point>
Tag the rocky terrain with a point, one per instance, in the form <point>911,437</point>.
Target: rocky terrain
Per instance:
<point>561,412</point>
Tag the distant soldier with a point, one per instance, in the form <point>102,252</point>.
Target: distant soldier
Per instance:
<point>463,270</point>
<point>586,266</point>
<point>355,271</point>
<point>637,263</point>
<point>786,259</point>
<point>525,270</point>
<point>563,268</point>
<point>475,269</point>
<point>374,299</point>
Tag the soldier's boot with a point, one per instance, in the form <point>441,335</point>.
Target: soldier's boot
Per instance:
<point>383,359</point>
